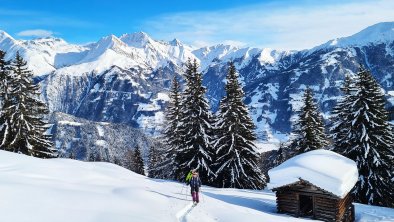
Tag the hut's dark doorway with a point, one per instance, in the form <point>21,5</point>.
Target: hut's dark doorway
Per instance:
<point>306,205</point>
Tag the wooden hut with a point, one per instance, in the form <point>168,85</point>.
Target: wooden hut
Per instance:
<point>315,184</point>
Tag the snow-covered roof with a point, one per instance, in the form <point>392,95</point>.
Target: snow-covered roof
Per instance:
<point>325,169</point>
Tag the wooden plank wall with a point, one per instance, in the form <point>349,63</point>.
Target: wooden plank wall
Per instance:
<point>326,207</point>
<point>287,202</point>
<point>345,208</point>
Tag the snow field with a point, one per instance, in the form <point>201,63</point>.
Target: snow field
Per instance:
<point>64,190</point>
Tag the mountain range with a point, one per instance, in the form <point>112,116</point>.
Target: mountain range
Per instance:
<point>125,79</point>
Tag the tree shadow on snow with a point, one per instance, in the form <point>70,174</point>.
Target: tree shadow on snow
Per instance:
<point>267,206</point>
<point>168,196</point>
<point>161,180</point>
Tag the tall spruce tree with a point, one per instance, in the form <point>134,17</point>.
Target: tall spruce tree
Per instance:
<point>236,161</point>
<point>341,121</point>
<point>138,165</point>
<point>5,78</point>
<point>172,136</point>
<point>153,162</point>
<point>368,140</point>
<point>128,160</point>
<point>195,150</point>
<point>309,128</point>
<point>25,114</point>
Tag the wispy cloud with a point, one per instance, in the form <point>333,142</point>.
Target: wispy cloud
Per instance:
<point>272,25</point>
<point>35,33</point>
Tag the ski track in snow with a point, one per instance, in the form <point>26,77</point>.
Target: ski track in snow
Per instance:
<point>182,214</point>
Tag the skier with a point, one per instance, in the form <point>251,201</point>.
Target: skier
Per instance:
<point>195,184</point>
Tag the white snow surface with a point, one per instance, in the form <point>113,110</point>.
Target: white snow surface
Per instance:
<point>375,34</point>
<point>64,190</point>
<point>323,168</point>
<point>64,122</point>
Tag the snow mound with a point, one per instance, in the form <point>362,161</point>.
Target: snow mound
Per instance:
<point>324,169</point>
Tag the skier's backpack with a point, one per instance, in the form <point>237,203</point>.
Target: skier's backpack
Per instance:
<point>189,177</point>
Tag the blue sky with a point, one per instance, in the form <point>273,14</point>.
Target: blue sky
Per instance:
<point>287,24</point>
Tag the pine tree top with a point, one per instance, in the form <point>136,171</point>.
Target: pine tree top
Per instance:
<point>309,128</point>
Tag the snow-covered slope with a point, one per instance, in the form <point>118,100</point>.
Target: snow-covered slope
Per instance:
<point>375,34</point>
<point>44,55</point>
<point>64,190</point>
<point>209,56</point>
<point>158,53</point>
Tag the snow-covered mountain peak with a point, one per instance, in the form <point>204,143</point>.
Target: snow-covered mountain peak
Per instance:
<point>209,54</point>
<point>48,39</point>
<point>270,56</point>
<point>6,41</point>
<point>381,32</point>
<point>375,34</point>
<point>109,42</point>
<point>107,52</point>
<point>137,39</point>
<point>175,42</point>
<point>4,35</point>
<point>50,44</point>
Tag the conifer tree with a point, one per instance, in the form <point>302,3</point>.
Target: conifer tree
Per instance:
<point>91,157</point>
<point>98,157</point>
<point>118,162</point>
<point>340,117</point>
<point>5,78</point>
<point>236,153</point>
<point>24,113</point>
<point>368,140</point>
<point>72,155</point>
<point>195,150</point>
<point>127,160</point>
<point>280,155</point>
<point>138,164</point>
<point>309,128</point>
<point>172,136</point>
<point>153,163</point>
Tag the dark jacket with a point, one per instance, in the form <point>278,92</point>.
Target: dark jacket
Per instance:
<point>195,184</point>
